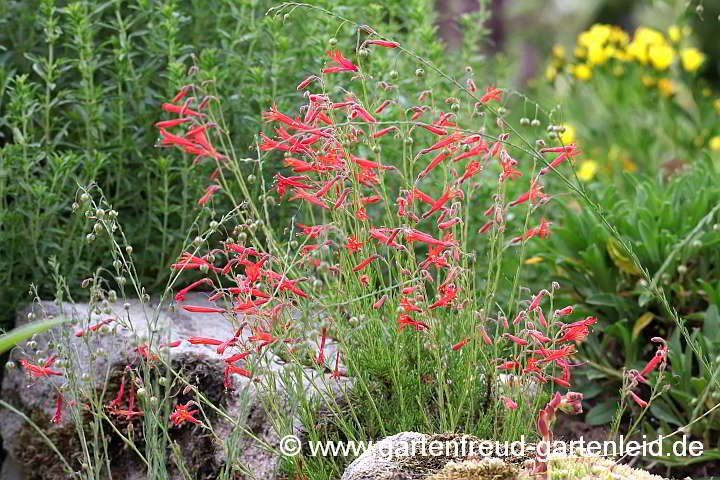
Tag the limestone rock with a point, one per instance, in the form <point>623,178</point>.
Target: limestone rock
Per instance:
<point>105,355</point>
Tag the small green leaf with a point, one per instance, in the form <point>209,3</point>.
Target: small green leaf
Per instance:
<point>662,412</point>
<point>601,413</point>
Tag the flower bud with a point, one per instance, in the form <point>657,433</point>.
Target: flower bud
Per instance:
<point>420,73</point>
<point>394,74</point>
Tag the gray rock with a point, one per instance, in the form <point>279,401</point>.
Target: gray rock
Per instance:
<point>379,461</point>
<point>105,355</point>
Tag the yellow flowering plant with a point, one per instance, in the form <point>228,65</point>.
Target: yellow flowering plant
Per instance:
<point>634,99</point>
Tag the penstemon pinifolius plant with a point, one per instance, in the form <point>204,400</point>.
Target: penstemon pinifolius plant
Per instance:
<point>375,260</point>
<point>382,173</point>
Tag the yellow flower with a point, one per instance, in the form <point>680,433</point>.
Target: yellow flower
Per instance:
<point>637,51</point>
<point>550,73</point>
<point>665,86</point>
<point>568,136</point>
<point>597,55</point>
<point>597,36</point>
<point>582,71</point>
<point>580,52</point>
<point>661,56</point>
<point>706,92</point>
<point>648,36</point>
<point>714,144</point>
<point>691,59</point>
<point>619,36</point>
<point>716,104</point>
<point>558,51</point>
<point>587,170</point>
<point>674,33</point>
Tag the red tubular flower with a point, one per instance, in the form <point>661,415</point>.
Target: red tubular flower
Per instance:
<point>230,369</point>
<point>485,336</point>
<point>380,302</point>
<point>533,195</point>
<point>307,82</point>
<point>236,357</point>
<point>40,371</point>
<point>92,328</point>
<point>182,413</point>
<point>407,306</point>
<point>637,399</point>
<point>508,366</point>
<point>435,130</point>
<point>412,235</point>
<point>436,161</point>
<point>509,403</point>
<point>169,107</point>
<point>204,341</point>
<point>365,263</point>
<point>560,381</point>
<point>540,231</point>
<point>180,296</point>
<point>382,43</point>
<point>444,300</point>
<point>208,194</point>
<point>342,64</point>
<point>406,320</point>
<point>59,402</point>
<point>197,309</point>
<point>461,344</point>
<point>320,360</point>
<point>353,245</point>
<point>517,340</point>
<point>337,373</point>
<point>491,93</point>
<point>382,107</point>
<point>578,333</point>
<point>299,194</point>
<point>659,357</point>
<point>384,131</point>
<point>470,171</point>
<point>172,123</point>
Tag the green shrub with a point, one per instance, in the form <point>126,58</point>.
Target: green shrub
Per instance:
<point>81,84</point>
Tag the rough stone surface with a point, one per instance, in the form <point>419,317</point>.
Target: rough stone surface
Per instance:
<point>378,462</point>
<point>200,364</point>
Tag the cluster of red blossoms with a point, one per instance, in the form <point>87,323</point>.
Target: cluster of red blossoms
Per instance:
<point>317,148</point>
<point>547,344</point>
